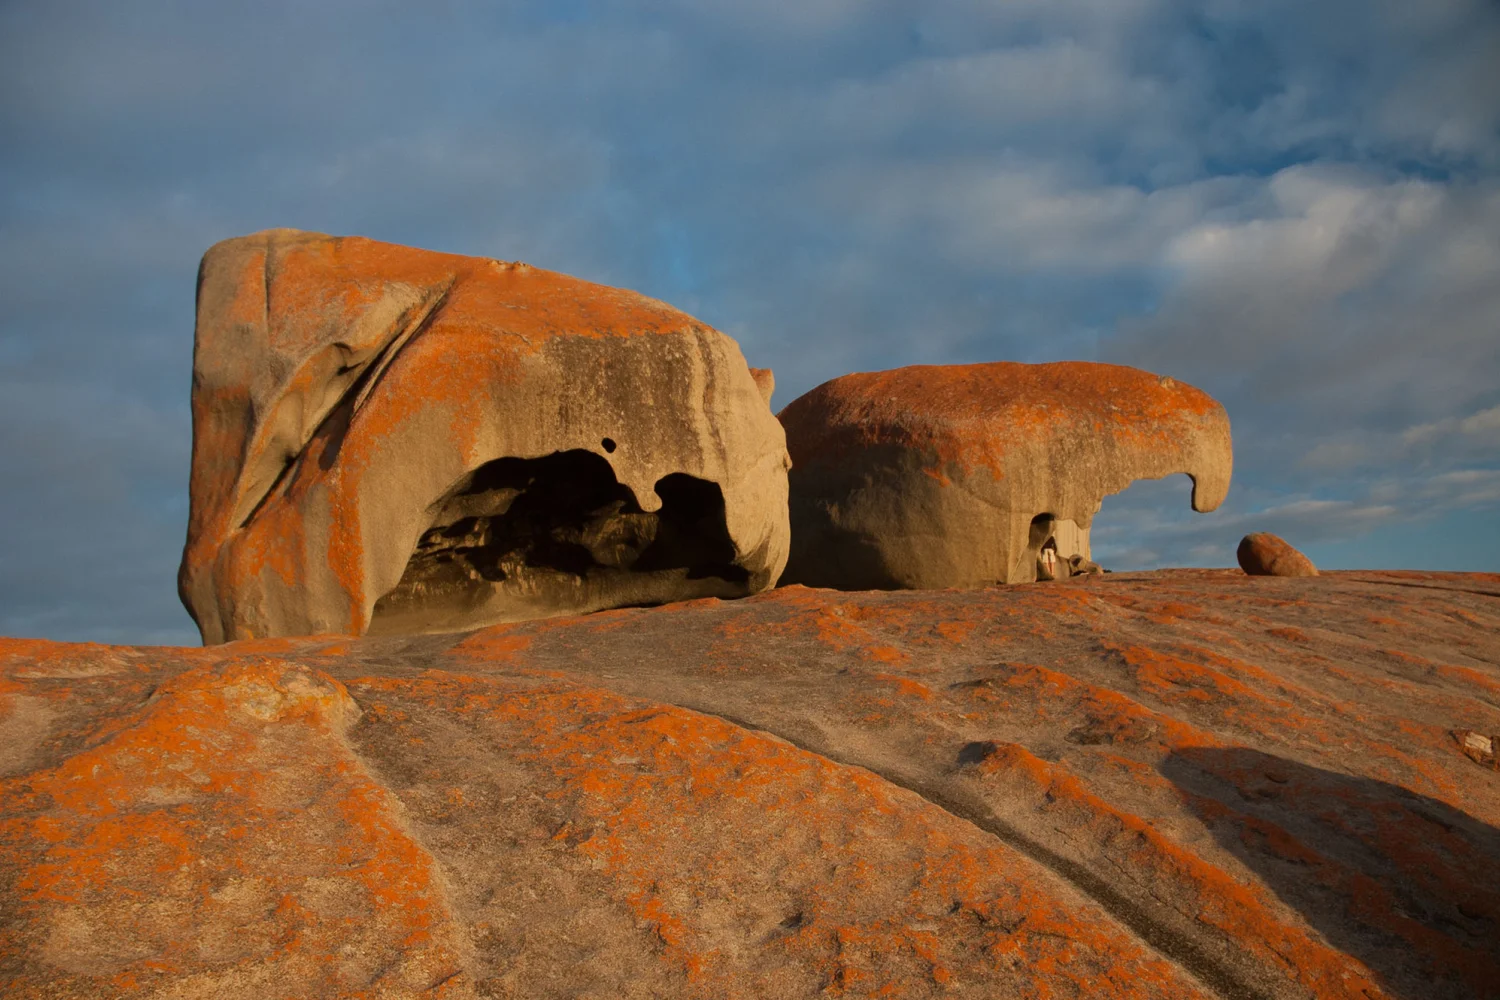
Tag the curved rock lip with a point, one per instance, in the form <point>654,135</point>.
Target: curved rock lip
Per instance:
<point>391,439</point>
<point>938,476</point>
<point>1174,784</point>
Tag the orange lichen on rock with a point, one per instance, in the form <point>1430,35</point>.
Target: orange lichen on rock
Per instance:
<point>1142,785</point>
<point>938,476</point>
<point>1437,867</point>
<point>391,438</point>
<point>1201,892</point>
<point>973,415</point>
<point>226,839</point>
<point>762,870</point>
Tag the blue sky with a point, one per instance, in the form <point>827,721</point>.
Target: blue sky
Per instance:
<point>1292,205</point>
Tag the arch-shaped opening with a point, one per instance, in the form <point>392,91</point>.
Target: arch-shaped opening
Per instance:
<point>1030,566</point>
<point>526,537</point>
<point>1056,549</point>
<point>1151,524</point>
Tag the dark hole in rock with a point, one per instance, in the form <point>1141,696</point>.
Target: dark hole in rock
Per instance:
<point>1032,565</point>
<point>609,445</point>
<point>978,751</point>
<point>524,538</point>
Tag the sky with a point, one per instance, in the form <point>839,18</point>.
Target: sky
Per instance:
<point>1291,204</point>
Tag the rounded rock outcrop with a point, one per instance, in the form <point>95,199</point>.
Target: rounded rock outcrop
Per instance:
<point>388,439</point>
<point>1264,554</point>
<point>959,475</point>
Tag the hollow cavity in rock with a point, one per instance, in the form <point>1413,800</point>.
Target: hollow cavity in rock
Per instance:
<point>1056,549</point>
<point>523,537</point>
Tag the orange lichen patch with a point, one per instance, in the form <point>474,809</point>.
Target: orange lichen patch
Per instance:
<point>329,372</point>
<point>42,657</point>
<point>1469,676</point>
<point>1431,864</point>
<point>1244,913</point>
<point>499,645</point>
<point>884,634</point>
<point>884,654</point>
<point>1179,681</point>
<point>905,687</point>
<point>700,824</point>
<point>810,614</point>
<point>1034,692</point>
<point>1321,779</point>
<point>1065,601</point>
<point>1435,854</point>
<point>955,632</point>
<point>226,837</point>
<point>1175,680</point>
<point>277,546</point>
<point>970,416</point>
<point>1168,611</point>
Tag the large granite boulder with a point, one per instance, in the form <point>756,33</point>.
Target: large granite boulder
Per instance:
<point>394,440</point>
<point>1176,784</point>
<point>958,476</point>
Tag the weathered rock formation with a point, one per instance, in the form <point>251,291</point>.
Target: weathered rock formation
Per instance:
<point>957,476</point>
<point>1178,784</point>
<point>1264,554</point>
<point>393,440</point>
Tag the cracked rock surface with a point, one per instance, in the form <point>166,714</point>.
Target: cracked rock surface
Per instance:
<point>1178,784</point>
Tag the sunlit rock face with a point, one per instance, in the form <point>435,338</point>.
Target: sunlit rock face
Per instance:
<point>1188,784</point>
<point>958,476</point>
<point>388,439</point>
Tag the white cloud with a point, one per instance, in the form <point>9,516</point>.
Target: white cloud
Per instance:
<point>1325,233</point>
<point>1346,297</point>
<point>990,218</point>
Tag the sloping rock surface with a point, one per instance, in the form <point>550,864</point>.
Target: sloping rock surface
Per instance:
<point>1180,784</point>
<point>936,476</point>
<point>394,440</point>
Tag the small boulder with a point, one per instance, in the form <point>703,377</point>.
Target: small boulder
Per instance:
<point>1264,554</point>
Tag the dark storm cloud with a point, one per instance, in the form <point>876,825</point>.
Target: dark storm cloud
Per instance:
<point>1292,205</point>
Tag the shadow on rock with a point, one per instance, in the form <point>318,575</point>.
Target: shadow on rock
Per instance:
<point>1406,884</point>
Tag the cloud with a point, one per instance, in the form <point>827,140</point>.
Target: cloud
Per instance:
<point>1345,319</point>
<point>991,218</point>
<point>1483,427</point>
<point>1295,206</point>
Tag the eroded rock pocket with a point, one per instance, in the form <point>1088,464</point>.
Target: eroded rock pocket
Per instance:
<point>560,534</point>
